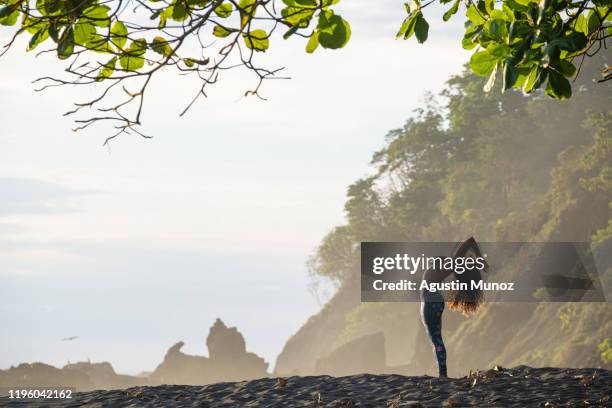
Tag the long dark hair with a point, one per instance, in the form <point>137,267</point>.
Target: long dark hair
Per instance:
<point>467,301</point>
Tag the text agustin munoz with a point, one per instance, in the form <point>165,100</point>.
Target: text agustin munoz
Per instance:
<point>412,268</point>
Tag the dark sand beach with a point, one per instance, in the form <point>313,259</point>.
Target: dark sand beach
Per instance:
<point>516,387</point>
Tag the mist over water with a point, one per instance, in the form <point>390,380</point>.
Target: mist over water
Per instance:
<point>142,302</point>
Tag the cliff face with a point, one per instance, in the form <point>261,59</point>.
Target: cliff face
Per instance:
<point>344,320</point>
<point>536,334</point>
<point>316,337</point>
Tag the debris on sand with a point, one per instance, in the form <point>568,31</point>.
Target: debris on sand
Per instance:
<point>502,387</point>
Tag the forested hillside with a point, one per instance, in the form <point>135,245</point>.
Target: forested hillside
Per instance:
<point>500,167</point>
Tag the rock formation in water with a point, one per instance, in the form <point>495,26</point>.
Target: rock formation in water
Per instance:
<point>228,355</point>
<point>227,360</point>
<point>82,376</point>
<point>103,375</point>
<point>180,368</point>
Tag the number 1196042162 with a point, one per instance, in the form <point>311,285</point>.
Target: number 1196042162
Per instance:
<point>38,393</point>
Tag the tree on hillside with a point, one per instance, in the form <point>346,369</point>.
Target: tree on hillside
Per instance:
<point>121,45</point>
<point>499,166</point>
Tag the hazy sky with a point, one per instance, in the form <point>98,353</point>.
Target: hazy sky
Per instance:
<point>135,249</point>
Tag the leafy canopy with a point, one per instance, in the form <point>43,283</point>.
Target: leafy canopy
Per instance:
<point>532,44</point>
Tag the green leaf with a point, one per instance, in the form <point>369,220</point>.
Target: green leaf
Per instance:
<point>540,78</point>
<point>51,8</point>
<point>307,3</point>
<point>222,32</point>
<point>566,68</point>
<point>407,28</point>
<point>156,14</point>
<point>499,50</point>
<point>575,42</point>
<point>53,33</point>
<point>451,11</point>
<point>499,15</point>
<point>247,11</point>
<point>592,23</point>
<point>421,29</point>
<point>118,34</point>
<point>100,44</point>
<point>468,44</point>
<point>38,37</point>
<point>602,3</point>
<point>525,2</point>
<point>6,11</point>
<point>533,13</point>
<point>313,43</point>
<point>518,30</point>
<point>107,70</point>
<point>161,46</point>
<point>163,20</point>
<point>531,79</point>
<point>65,47</point>
<point>32,25</point>
<point>508,11</point>
<point>522,77</point>
<point>558,86</point>
<point>476,16</point>
<point>98,15</point>
<point>290,32</point>
<point>491,81</point>
<point>326,3</point>
<point>256,40</point>
<point>9,15</point>
<point>224,10</point>
<point>470,37</point>
<point>165,16</point>
<point>133,58</point>
<point>497,29</point>
<point>483,63</point>
<point>580,24</point>
<point>510,75</point>
<point>334,31</point>
<point>83,32</point>
<point>179,11</point>
<point>196,3</point>
<point>298,16</point>
<point>552,50</point>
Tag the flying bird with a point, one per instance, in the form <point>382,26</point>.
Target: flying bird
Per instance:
<point>70,338</point>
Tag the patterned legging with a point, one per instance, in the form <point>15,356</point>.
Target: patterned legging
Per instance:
<point>431,314</point>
